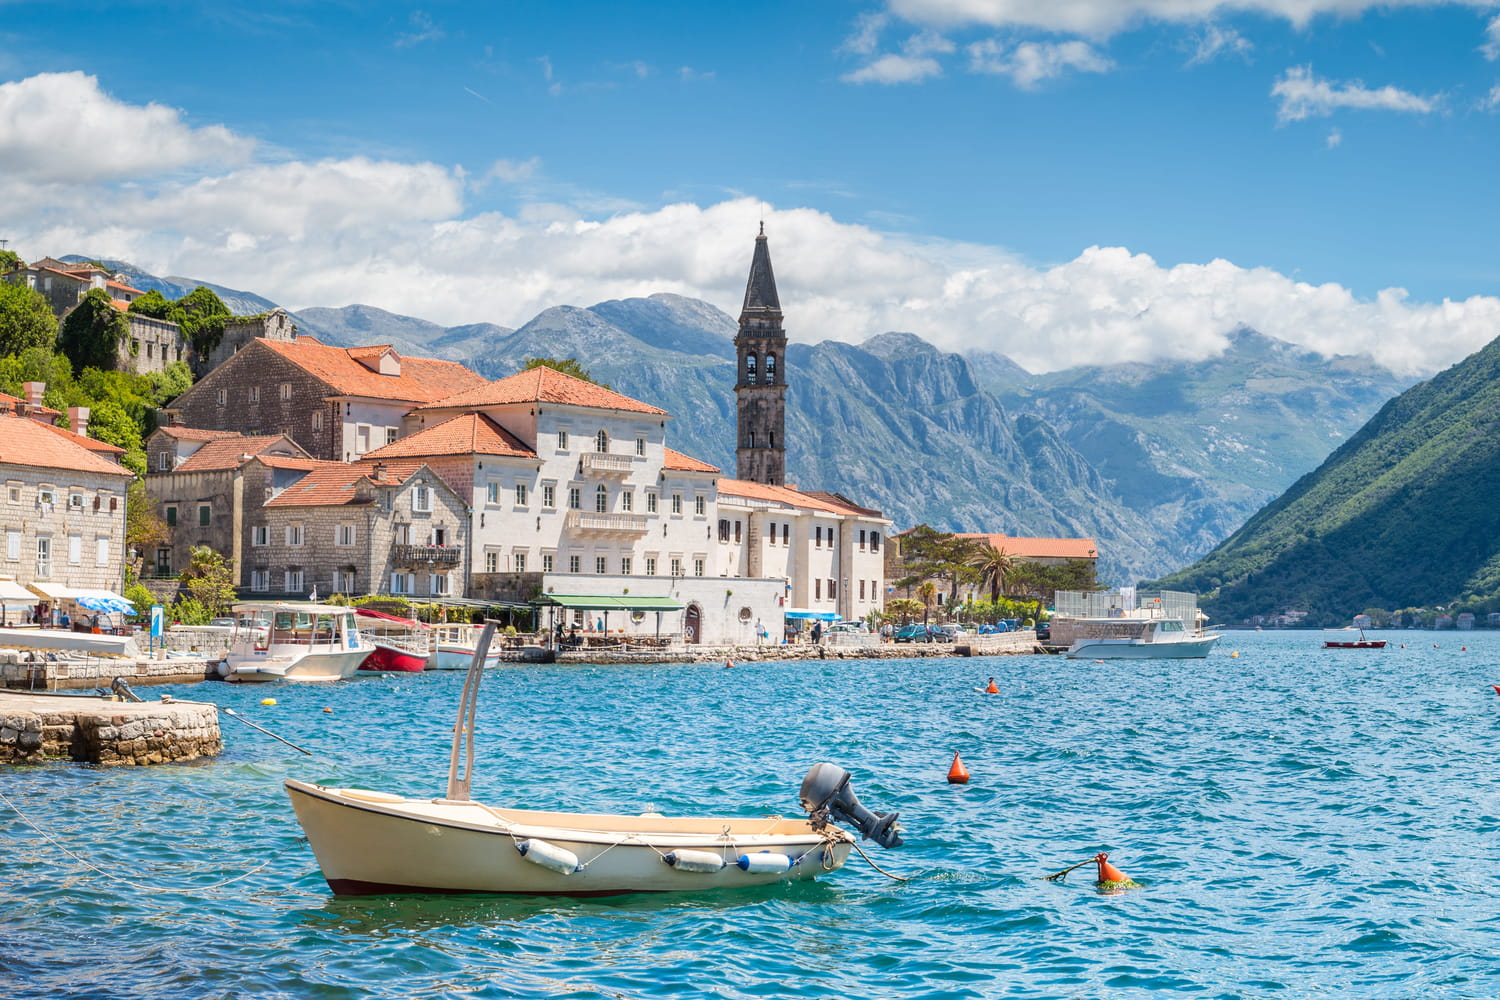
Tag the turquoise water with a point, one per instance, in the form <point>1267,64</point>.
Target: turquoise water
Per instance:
<point>1302,823</point>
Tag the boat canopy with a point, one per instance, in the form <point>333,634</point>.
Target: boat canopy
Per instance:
<point>382,616</point>
<point>599,602</point>
<point>822,616</point>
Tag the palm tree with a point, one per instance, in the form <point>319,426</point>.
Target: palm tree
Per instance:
<point>903,608</point>
<point>993,564</point>
<point>928,593</point>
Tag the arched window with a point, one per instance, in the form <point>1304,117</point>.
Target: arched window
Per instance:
<point>751,442</point>
<point>749,369</point>
<point>601,441</point>
<point>772,436</point>
<point>770,369</point>
<point>601,497</point>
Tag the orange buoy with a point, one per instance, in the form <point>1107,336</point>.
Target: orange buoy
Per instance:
<point>958,774</point>
<point>1108,872</point>
<point>992,689</point>
<point>1496,687</point>
<point>728,664</point>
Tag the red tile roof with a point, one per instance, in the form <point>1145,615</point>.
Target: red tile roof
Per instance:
<point>422,380</point>
<point>844,503</point>
<point>28,442</point>
<point>1039,548</point>
<point>124,287</point>
<point>11,402</point>
<point>195,433</point>
<point>226,453</point>
<point>785,495</point>
<point>287,462</point>
<point>337,484</point>
<point>84,441</point>
<point>678,462</point>
<point>465,434</point>
<point>544,385</point>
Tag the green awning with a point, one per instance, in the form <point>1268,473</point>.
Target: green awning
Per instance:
<point>596,602</point>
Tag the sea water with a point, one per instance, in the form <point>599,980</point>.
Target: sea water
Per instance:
<point>1302,823</point>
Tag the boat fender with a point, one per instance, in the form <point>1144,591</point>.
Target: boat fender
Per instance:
<point>694,861</point>
<point>764,861</point>
<point>539,852</point>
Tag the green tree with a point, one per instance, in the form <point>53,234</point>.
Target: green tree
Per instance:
<point>927,592</point>
<point>209,579</point>
<point>992,564</point>
<point>144,531</point>
<point>9,261</point>
<point>154,304</point>
<point>137,594</point>
<point>171,382</point>
<point>201,314</point>
<point>26,320</point>
<point>903,608</point>
<point>93,332</point>
<point>568,366</point>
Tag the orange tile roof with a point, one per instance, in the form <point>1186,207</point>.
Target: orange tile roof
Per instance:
<point>1039,548</point>
<point>844,503</point>
<point>373,351</point>
<point>679,462</point>
<point>7,399</point>
<point>84,441</point>
<point>124,287</point>
<point>544,385</point>
<point>422,380</point>
<point>195,433</point>
<point>465,434</point>
<point>28,442</point>
<point>337,484</point>
<point>224,454</point>
<point>288,462</point>
<point>776,494</point>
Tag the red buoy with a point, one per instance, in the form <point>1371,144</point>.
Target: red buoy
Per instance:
<point>1108,872</point>
<point>958,774</point>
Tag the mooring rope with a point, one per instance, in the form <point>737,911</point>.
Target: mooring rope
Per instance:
<point>870,861</point>
<point>144,887</point>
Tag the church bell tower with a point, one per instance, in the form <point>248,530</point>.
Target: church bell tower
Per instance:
<point>760,385</point>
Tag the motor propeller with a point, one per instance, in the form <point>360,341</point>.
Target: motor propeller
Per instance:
<point>826,796</point>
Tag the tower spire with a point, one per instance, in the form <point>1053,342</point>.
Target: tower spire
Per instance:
<point>760,382</point>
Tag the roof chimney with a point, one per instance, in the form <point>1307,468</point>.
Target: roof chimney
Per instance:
<point>379,475</point>
<point>78,420</point>
<point>34,393</point>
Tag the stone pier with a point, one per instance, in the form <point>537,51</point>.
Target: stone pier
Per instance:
<point>34,670</point>
<point>37,728</point>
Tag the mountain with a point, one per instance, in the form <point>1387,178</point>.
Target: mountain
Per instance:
<point>357,325</point>
<point>1403,514</point>
<point>238,302</point>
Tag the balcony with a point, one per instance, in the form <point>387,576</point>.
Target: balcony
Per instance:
<point>607,464</point>
<point>418,555</point>
<point>607,524</point>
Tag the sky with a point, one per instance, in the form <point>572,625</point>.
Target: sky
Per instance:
<point>1061,181</point>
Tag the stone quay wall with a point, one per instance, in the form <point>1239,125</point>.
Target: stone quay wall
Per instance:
<point>36,673</point>
<point>37,728</point>
<point>1012,644</point>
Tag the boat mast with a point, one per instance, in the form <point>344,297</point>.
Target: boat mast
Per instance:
<point>463,728</point>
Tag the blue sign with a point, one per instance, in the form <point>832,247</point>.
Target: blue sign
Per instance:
<point>158,616</point>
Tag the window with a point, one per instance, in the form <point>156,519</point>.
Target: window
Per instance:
<point>15,494</point>
<point>293,535</point>
<point>75,501</point>
<point>650,565</point>
<point>344,535</point>
<point>601,499</point>
<point>601,441</point>
<point>676,567</point>
<point>520,494</point>
<point>818,536</point>
<point>573,564</point>
<point>650,503</point>
<point>640,446</point>
<point>677,503</point>
<point>255,394</point>
<point>345,582</point>
<point>260,534</point>
<point>562,440</point>
<point>401,583</point>
<point>171,513</point>
<point>45,497</point>
<point>163,561</point>
<point>723,530</point>
<point>221,396</point>
<point>817,590</point>
<point>293,581</point>
<point>575,498</point>
<point>260,579</point>
<point>391,433</point>
<point>751,441</point>
<point>13,545</point>
<point>438,584</point>
<point>362,439</point>
<point>833,589</point>
<point>697,567</point>
<point>736,532</point>
<point>520,562</point>
<point>786,534</point>
<point>874,541</point>
<point>286,392</point>
<point>861,539</point>
<point>599,565</point>
<point>624,565</point>
<point>771,377</point>
<point>492,562</point>
<point>547,562</point>
<point>164,462</point>
<point>861,590</point>
<point>627,500</point>
<point>549,496</point>
<point>317,420</point>
<point>750,369</point>
<point>699,506</point>
<point>205,515</point>
<point>421,499</point>
<point>492,492</point>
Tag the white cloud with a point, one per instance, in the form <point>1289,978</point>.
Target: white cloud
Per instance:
<point>423,30</point>
<point>892,68</point>
<point>1304,95</point>
<point>866,37</point>
<point>1491,46</point>
<point>1335,138</point>
<point>404,237</point>
<point>62,127</point>
<point>1214,41</point>
<point>514,171</point>
<point>689,75</point>
<point>1490,101</point>
<point>1030,63</point>
<point>1101,18</point>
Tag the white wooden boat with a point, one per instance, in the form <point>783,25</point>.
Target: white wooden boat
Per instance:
<point>1152,639</point>
<point>453,647</point>
<point>304,642</point>
<point>372,842</point>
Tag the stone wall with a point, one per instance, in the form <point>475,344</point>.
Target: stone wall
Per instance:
<point>97,731</point>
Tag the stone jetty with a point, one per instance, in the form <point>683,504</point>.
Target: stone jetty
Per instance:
<point>49,670</point>
<point>36,728</point>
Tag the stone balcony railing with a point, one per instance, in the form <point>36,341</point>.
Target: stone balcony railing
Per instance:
<point>416,555</point>
<point>620,524</point>
<point>603,462</point>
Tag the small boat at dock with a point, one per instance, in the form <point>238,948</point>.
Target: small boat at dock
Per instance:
<point>302,642</point>
<point>373,842</point>
<point>453,647</point>
<point>402,645</point>
<point>1116,626</point>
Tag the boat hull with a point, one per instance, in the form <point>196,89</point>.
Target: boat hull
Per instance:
<point>1359,644</point>
<point>1137,649</point>
<point>370,843</point>
<point>388,659</point>
<point>458,658</point>
<point>309,668</point>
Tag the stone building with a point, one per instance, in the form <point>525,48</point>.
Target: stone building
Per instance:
<point>760,385</point>
<point>240,331</point>
<point>375,527</point>
<point>335,402</point>
<point>62,514</point>
<point>153,344</point>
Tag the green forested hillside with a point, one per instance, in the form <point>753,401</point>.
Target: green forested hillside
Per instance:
<point>1406,514</point>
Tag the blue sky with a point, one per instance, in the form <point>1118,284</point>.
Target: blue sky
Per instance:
<point>943,166</point>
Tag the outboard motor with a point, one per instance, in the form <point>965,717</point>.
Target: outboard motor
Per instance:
<point>826,796</point>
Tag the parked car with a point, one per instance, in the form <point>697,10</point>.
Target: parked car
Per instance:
<point>947,633</point>
<point>912,633</point>
<point>1044,630</point>
<point>858,627</point>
